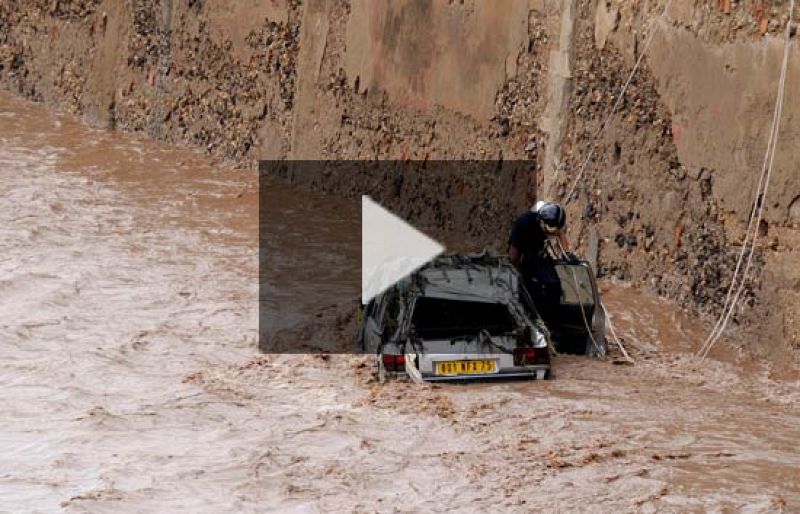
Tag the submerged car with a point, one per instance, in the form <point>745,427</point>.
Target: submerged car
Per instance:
<point>470,317</point>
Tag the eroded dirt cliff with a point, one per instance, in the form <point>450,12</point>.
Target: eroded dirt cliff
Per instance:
<point>666,197</point>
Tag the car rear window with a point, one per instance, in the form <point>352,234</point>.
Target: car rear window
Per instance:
<point>442,318</point>
<point>576,285</point>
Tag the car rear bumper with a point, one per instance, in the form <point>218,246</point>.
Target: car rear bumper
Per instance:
<point>538,372</point>
<point>504,367</point>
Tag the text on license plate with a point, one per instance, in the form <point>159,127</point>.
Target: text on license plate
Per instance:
<point>465,367</point>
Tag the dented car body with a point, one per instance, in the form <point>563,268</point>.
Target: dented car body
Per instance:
<point>457,318</point>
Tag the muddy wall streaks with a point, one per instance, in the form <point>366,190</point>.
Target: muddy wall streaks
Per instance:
<point>665,201</point>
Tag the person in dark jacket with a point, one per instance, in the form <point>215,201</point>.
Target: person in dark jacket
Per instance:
<point>527,249</point>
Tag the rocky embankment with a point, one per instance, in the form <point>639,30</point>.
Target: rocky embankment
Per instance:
<point>665,200</point>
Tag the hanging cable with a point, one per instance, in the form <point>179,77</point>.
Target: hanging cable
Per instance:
<point>738,281</point>
<point>617,103</point>
<point>616,339</point>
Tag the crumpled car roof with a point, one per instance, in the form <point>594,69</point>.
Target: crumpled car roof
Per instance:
<point>479,279</point>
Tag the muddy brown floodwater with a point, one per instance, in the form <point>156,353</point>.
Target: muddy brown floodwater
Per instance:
<point>131,381</point>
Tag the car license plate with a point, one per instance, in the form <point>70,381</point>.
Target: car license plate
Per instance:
<point>471,367</point>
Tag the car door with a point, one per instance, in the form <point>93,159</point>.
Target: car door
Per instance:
<point>581,316</point>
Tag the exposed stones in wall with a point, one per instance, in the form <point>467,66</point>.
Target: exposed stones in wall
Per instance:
<point>658,223</point>
<point>715,22</point>
<point>218,103</point>
<point>69,85</point>
<point>209,98</point>
<point>143,44</point>
<point>171,80</point>
<point>279,43</point>
<point>69,9</point>
<point>726,21</point>
<point>520,101</point>
<point>13,50</point>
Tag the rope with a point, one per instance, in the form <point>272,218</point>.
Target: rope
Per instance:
<point>617,103</point>
<point>738,282</point>
<point>616,339</point>
<point>412,370</point>
<point>589,330</point>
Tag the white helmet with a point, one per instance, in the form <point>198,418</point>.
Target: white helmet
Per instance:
<point>551,216</point>
<point>538,205</point>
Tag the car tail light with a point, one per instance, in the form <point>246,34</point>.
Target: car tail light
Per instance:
<point>530,356</point>
<point>394,362</point>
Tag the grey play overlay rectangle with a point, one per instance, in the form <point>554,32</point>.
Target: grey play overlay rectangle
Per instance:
<point>310,234</point>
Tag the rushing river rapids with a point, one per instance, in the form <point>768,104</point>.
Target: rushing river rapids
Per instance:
<point>131,380</point>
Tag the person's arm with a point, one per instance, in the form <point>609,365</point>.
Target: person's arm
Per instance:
<point>514,255</point>
<point>516,242</point>
<point>562,240</point>
<point>564,243</point>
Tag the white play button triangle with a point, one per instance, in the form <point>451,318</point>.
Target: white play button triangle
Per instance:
<point>391,249</point>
